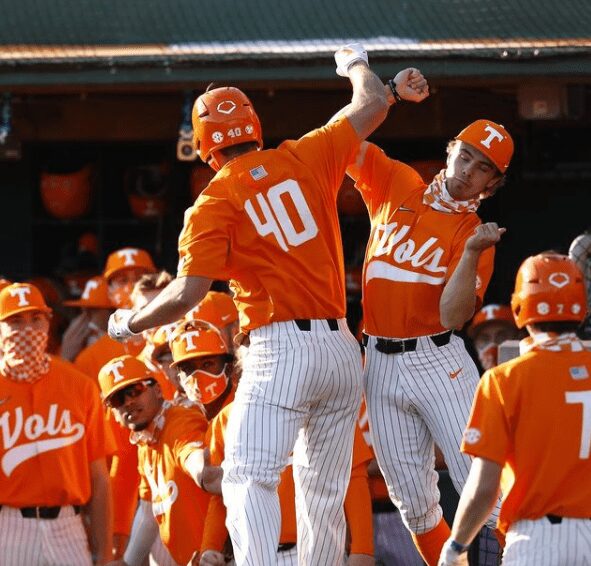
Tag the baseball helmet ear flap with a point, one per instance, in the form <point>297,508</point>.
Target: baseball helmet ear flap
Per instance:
<point>548,288</point>
<point>223,117</point>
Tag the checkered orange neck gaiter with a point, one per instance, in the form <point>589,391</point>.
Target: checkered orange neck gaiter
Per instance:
<point>438,198</point>
<point>24,355</point>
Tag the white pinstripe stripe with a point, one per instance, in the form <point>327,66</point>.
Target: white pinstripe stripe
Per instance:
<point>303,386</point>
<point>541,543</point>
<point>412,402</point>
<point>42,542</point>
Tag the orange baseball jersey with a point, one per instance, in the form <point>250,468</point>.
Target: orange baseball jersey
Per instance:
<point>357,502</point>
<point>412,252</point>
<point>177,503</point>
<point>532,415</point>
<point>268,222</point>
<point>51,431</point>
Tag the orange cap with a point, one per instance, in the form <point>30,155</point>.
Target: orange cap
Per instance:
<point>491,139</point>
<point>21,297</point>
<point>94,296</point>
<point>216,308</point>
<point>121,372</point>
<point>548,287</point>
<point>4,283</point>
<point>491,313</point>
<point>163,334</point>
<point>126,258</point>
<point>196,339</point>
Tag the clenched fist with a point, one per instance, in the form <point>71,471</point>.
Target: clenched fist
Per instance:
<point>411,85</point>
<point>485,236</point>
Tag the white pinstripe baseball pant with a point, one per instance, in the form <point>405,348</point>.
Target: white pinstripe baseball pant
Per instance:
<point>43,542</point>
<point>413,400</point>
<point>541,543</point>
<point>296,385</point>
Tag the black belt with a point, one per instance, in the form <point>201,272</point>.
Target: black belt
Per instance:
<point>305,324</point>
<point>286,546</point>
<point>44,512</point>
<point>386,346</point>
<point>557,519</point>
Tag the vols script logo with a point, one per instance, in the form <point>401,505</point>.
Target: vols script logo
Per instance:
<point>20,434</point>
<point>388,241</point>
<point>164,493</point>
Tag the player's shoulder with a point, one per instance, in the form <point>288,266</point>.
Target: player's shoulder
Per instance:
<point>180,418</point>
<point>70,376</point>
<point>221,419</point>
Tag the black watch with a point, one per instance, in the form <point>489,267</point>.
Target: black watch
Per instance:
<point>457,547</point>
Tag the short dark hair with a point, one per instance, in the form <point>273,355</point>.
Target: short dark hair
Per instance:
<point>557,326</point>
<point>238,149</point>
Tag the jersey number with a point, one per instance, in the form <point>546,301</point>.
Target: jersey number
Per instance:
<point>276,219</point>
<point>583,397</point>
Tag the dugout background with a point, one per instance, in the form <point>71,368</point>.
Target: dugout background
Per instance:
<point>104,83</point>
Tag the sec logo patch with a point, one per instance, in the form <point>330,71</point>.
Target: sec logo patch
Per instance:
<point>472,435</point>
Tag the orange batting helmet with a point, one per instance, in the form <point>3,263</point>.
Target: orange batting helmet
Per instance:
<point>491,139</point>
<point>223,117</point>
<point>549,287</point>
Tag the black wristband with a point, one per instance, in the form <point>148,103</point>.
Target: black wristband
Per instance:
<point>457,547</point>
<point>395,94</point>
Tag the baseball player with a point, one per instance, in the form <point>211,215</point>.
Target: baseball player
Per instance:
<point>529,429</point>
<point>91,323</point>
<point>52,452</point>
<point>580,252</point>
<point>357,506</point>
<point>491,326</point>
<point>173,468</point>
<point>427,265</point>
<point>204,365</point>
<point>218,309</point>
<point>268,222</point>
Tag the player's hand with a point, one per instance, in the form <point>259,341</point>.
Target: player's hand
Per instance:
<point>75,336</point>
<point>119,325</point>
<point>347,55</point>
<point>211,476</point>
<point>411,85</point>
<point>450,557</point>
<point>360,560</point>
<point>485,236</point>
<point>212,558</point>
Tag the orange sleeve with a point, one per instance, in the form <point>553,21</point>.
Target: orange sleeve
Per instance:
<point>327,150</point>
<point>189,435</point>
<point>144,488</point>
<point>96,438</point>
<point>487,433</point>
<point>358,509</point>
<point>214,532</point>
<point>124,488</point>
<point>378,173</point>
<point>486,260</point>
<point>204,240</point>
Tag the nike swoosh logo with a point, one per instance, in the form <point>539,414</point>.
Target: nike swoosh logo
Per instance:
<point>454,374</point>
<point>405,209</point>
<point>226,317</point>
<point>19,454</point>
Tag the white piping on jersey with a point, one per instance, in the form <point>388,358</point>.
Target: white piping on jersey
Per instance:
<point>382,270</point>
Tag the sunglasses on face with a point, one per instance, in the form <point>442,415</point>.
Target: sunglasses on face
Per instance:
<point>134,390</point>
